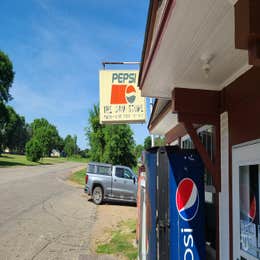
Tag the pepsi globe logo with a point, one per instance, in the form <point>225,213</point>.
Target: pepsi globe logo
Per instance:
<point>130,94</point>
<point>187,199</point>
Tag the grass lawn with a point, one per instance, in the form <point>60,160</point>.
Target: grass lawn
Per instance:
<point>7,160</point>
<point>122,241</point>
<point>79,177</point>
<point>77,159</point>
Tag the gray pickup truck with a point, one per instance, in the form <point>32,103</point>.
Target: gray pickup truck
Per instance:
<point>110,182</point>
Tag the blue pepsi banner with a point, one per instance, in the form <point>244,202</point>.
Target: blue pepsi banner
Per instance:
<point>186,206</point>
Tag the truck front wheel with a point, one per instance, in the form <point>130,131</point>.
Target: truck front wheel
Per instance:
<point>97,195</point>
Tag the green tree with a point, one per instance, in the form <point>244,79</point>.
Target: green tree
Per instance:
<point>84,153</point>
<point>6,77</point>
<point>138,151</point>
<point>159,141</point>
<point>60,144</point>
<point>110,143</point>
<point>33,150</point>
<point>16,132</point>
<point>147,142</point>
<point>70,145</point>
<point>4,118</point>
<point>47,135</point>
<point>6,80</point>
<point>95,134</point>
<point>120,144</point>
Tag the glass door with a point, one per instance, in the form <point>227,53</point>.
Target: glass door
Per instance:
<point>246,201</point>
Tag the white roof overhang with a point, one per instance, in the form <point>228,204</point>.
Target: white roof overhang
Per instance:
<point>162,119</point>
<point>199,35</point>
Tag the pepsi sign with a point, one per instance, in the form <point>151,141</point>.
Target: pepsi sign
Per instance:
<point>187,199</point>
<point>187,238</point>
<point>120,97</point>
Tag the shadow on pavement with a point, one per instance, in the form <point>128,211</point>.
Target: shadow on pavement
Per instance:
<point>116,203</point>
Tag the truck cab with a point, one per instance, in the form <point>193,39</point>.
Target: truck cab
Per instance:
<point>110,182</point>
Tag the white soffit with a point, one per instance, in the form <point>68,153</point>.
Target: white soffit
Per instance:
<point>196,28</point>
<point>169,121</point>
<point>159,106</point>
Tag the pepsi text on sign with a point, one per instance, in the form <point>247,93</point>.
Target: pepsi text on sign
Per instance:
<point>188,242</point>
<point>129,78</point>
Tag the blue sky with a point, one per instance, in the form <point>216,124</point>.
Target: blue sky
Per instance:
<point>57,47</point>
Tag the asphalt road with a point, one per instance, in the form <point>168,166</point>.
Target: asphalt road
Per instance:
<point>41,215</point>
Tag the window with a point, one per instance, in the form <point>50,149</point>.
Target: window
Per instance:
<point>123,173</point>
<point>249,209</point>
<point>104,170</point>
<point>127,174</point>
<point>119,172</point>
<point>91,168</point>
<point>206,137</point>
<point>99,169</point>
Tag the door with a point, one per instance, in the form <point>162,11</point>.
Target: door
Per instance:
<point>246,201</point>
<point>124,187</point>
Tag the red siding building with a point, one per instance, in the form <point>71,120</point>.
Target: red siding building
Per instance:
<point>201,61</point>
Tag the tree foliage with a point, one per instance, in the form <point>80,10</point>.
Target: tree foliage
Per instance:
<point>96,136</point>
<point>138,151</point>
<point>16,132</point>
<point>33,150</point>
<point>110,143</point>
<point>120,144</point>
<point>6,77</point>
<point>70,145</point>
<point>6,80</point>
<point>4,117</point>
<point>46,134</point>
<point>158,141</point>
<point>147,142</point>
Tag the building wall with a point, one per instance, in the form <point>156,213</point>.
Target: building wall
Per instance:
<point>242,101</point>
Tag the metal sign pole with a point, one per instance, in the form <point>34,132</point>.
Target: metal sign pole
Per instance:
<point>151,109</point>
<point>104,63</point>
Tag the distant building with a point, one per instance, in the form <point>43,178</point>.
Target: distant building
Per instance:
<point>55,153</point>
<point>6,150</point>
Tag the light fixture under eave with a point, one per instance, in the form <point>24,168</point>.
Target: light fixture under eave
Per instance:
<point>206,66</point>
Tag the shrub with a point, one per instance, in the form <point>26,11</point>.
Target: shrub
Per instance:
<point>33,150</point>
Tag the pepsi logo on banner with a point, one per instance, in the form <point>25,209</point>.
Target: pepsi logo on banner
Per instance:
<point>122,94</point>
<point>187,199</point>
<point>130,94</point>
